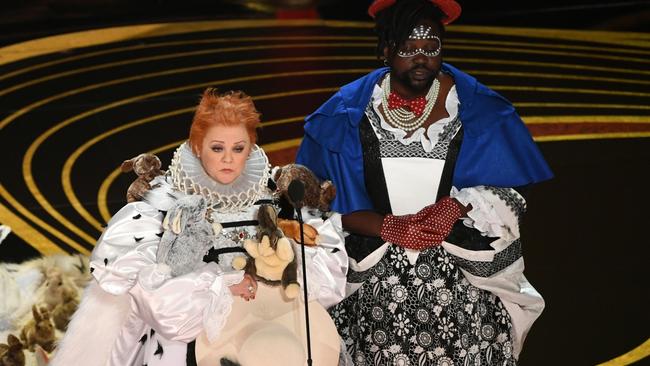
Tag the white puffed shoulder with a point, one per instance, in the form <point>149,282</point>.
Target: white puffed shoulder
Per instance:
<point>127,245</point>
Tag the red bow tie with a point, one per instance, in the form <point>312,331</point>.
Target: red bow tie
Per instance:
<point>414,105</point>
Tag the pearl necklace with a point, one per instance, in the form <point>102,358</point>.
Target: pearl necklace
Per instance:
<point>403,118</point>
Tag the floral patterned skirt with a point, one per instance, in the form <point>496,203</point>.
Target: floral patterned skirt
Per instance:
<point>422,314</point>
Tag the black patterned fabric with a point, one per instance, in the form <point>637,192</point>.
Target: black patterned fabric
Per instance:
<point>423,314</point>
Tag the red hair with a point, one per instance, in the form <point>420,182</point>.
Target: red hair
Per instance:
<point>231,108</point>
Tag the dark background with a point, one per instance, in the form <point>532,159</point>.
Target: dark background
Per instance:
<point>27,19</point>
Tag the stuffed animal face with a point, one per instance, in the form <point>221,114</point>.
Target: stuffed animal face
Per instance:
<point>317,194</point>
<point>146,166</point>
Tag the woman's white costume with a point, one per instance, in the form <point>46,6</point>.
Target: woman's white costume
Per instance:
<point>135,313</point>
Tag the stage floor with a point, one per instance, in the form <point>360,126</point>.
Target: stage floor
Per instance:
<point>74,106</point>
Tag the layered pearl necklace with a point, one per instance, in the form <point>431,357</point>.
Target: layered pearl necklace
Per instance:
<point>403,118</point>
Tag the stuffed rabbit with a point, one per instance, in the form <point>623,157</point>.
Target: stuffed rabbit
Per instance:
<point>39,330</point>
<point>11,354</point>
<point>188,235</point>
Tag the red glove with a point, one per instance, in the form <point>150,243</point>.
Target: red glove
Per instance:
<point>402,231</point>
<point>425,229</point>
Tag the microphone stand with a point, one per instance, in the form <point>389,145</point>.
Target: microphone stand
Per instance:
<point>304,282</point>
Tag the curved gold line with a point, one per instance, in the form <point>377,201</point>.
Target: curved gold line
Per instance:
<point>232,49</point>
<point>69,163</point>
<point>551,53</point>
<point>556,76</point>
<point>66,180</point>
<point>530,120</point>
<point>26,213</point>
<point>183,54</point>
<point>106,184</point>
<point>290,38</point>
<point>27,160</point>
<point>581,68</point>
<point>95,37</point>
<point>631,357</point>
<point>580,105</point>
<point>592,136</point>
<point>41,102</point>
<point>616,38</point>
<point>176,43</point>
<point>568,90</point>
<point>108,35</point>
<point>635,51</point>
<point>29,235</point>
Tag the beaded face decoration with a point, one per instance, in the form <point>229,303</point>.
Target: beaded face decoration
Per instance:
<point>422,32</point>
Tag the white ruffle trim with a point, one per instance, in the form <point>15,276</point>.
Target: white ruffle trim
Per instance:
<point>188,176</point>
<point>483,216</point>
<point>216,313</point>
<point>431,138</point>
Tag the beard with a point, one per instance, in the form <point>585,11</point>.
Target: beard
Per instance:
<point>417,79</point>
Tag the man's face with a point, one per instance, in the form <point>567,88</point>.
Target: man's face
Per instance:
<point>415,73</point>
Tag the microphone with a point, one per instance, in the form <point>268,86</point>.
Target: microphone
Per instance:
<point>296,191</point>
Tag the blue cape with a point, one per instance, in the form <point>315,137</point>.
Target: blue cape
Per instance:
<point>497,148</point>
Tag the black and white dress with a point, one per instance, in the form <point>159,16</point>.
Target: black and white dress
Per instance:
<point>465,302</point>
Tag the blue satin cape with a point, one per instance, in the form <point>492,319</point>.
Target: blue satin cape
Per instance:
<point>497,148</point>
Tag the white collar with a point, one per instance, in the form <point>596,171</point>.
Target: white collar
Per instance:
<point>188,176</point>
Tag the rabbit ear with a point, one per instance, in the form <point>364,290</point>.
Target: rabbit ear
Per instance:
<point>12,340</point>
<point>37,315</point>
<point>165,223</point>
<point>176,222</point>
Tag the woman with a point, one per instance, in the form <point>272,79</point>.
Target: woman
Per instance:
<point>427,288</point>
<point>143,312</point>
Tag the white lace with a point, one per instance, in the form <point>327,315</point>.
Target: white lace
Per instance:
<point>216,313</point>
<point>431,137</point>
<point>188,176</point>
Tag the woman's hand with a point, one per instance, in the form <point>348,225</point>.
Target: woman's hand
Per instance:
<point>291,229</point>
<point>246,289</point>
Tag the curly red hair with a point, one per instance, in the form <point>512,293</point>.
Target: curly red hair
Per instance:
<point>228,109</point>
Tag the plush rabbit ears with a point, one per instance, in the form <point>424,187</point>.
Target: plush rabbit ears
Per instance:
<point>450,8</point>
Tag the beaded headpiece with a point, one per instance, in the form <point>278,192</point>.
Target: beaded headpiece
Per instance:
<point>421,32</point>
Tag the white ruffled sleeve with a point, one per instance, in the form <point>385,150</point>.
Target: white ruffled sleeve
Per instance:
<point>496,212</point>
<point>183,306</point>
<point>327,263</point>
<point>128,245</point>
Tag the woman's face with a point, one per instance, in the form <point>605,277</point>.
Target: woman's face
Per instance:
<point>224,151</point>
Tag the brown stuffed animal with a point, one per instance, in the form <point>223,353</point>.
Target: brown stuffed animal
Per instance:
<point>11,354</point>
<point>318,195</point>
<point>273,259</point>
<point>62,312</point>
<point>39,330</point>
<point>57,289</point>
<point>147,167</point>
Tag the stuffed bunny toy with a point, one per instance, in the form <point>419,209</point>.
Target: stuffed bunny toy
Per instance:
<point>11,354</point>
<point>188,235</point>
<point>39,330</point>
<point>147,167</point>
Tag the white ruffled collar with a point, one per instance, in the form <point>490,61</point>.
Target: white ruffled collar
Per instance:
<point>188,176</point>
<point>428,140</point>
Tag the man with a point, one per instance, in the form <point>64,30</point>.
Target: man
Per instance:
<point>412,149</point>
